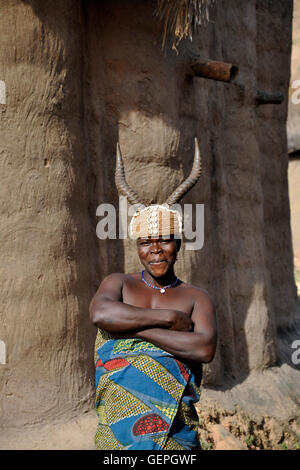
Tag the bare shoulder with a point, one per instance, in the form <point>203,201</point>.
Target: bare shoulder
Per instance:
<point>119,279</point>
<point>199,294</point>
<point>204,312</point>
<point>113,281</point>
<point>132,277</point>
<point>114,277</point>
<point>110,288</point>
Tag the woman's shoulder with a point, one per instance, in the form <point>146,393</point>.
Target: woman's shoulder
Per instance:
<point>196,291</point>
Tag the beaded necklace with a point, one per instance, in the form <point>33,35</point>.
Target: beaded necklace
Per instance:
<point>162,290</point>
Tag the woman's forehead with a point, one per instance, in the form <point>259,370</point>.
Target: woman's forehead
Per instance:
<point>152,239</point>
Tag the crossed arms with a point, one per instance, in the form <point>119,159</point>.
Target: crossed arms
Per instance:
<point>191,338</point>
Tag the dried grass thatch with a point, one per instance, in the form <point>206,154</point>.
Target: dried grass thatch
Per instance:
<point>181,17</point>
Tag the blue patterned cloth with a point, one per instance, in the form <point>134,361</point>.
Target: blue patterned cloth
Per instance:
<point>144,398</point>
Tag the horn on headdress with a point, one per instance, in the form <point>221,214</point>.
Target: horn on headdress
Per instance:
<point>190,181</point>
<point>121,183</point>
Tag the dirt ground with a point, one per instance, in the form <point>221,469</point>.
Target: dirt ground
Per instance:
<point>77,434</point>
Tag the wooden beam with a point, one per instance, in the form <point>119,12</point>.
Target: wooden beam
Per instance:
<point>263,97</point>
<point>213,69</point>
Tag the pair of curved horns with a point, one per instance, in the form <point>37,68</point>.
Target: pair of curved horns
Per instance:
<point>124,188</point>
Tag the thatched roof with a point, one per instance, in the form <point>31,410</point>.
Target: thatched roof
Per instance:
<point>182,17</point>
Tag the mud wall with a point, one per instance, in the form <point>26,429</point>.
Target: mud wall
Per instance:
<point>46,235</point>
<point>82,75</point>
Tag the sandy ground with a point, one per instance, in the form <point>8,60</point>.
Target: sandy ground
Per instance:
<point>77,434</point>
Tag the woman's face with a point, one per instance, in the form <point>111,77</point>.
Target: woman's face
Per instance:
<point>157,255</point>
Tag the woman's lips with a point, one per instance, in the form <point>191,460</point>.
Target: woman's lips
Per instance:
<point>158,262</point>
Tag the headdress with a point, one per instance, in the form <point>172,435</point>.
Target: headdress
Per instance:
<point>156,220</point>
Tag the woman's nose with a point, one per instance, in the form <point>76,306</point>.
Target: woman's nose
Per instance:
<point>156,248</point>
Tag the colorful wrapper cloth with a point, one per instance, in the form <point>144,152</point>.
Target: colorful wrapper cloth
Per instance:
<point>144,397</point>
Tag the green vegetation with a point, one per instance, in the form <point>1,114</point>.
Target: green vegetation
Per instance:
<point>205,445</point>
<point>249,439</point>
<point>283,446</point>
<point>297,445</point>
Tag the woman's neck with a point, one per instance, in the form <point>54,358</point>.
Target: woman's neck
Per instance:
<point>164,280</point>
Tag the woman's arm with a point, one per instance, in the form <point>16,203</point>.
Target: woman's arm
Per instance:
<point>108,312</point>
<point>198,345</point>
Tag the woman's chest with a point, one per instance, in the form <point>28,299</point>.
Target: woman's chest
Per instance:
<point>176,298</point>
